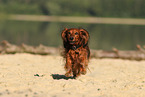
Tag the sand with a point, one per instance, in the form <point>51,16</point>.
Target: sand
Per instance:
<point>27,75</point>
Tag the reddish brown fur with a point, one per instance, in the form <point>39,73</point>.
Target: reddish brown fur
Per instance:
<point>77,52</point>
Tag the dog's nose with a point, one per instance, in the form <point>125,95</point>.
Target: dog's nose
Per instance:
<point>71,38</point>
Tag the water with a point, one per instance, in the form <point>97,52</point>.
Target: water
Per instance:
<point>102,36</point>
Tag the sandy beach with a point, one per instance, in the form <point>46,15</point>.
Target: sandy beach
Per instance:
<point>27,75</point>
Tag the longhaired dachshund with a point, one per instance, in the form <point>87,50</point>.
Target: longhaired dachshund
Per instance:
<point>76,51</point>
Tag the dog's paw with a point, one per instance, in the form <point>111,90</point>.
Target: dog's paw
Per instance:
<point>84,72</point>
<point>67,74</point>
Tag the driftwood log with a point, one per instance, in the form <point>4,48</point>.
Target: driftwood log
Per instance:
<point>8,48</point>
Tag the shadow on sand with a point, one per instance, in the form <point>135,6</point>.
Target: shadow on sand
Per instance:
<point>58,77</point>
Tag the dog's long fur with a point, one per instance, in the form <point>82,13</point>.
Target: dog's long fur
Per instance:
<point>76,52</point>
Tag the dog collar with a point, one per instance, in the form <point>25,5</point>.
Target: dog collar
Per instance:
<point>75,47</point>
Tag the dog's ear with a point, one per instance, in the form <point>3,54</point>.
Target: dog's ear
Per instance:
<point>85,36</point>
<point>63,35</point>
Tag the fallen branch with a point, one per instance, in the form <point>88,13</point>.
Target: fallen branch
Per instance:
<point>8,48</point>
<point>131,55</point>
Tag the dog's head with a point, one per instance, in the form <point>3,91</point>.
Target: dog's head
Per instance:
<point>75,36</point>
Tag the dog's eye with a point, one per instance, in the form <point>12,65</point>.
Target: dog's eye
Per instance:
<point>76,33</point>
<point>68,32</point>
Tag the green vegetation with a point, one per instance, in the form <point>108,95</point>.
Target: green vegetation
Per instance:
<point>100,8</point>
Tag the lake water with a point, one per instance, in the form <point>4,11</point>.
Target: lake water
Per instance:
<point>102,36</point>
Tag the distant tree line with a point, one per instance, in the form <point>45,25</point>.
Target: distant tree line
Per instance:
<point>100,8</point>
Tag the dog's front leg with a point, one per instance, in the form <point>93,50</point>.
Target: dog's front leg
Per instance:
<point>68,66</point>
<point>84,64</point>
